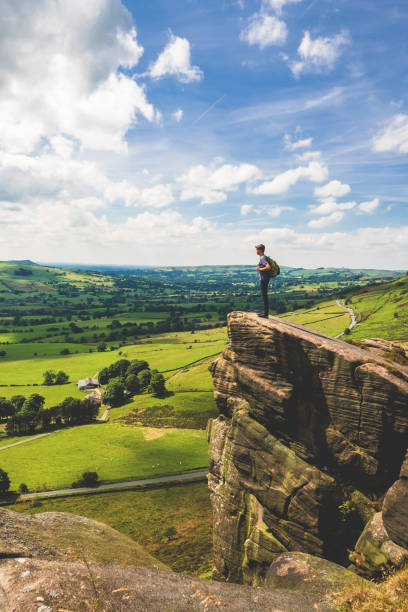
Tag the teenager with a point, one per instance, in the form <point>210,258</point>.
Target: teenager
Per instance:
<point>264,278</point>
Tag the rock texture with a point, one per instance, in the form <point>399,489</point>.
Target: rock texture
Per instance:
<point>306,422</point>
<point>315,578</point>
<point>57,561</point>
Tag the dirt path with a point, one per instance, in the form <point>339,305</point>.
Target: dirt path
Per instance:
<point>118,486</point>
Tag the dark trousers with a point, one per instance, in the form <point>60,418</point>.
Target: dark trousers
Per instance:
<point>264,290</point>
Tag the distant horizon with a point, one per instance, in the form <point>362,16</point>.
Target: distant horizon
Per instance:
<point>168,265</point>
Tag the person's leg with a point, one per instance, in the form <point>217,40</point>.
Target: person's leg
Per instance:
<point>264,290</point>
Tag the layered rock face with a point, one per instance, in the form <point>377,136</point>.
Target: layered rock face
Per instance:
<point>306,421</point>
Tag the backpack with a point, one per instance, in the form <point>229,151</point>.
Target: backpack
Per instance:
<point>275,269</point>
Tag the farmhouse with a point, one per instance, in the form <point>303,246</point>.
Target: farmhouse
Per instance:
<point>88,383</point>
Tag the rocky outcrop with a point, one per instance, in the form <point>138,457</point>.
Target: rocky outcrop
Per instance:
<point>59,561</point>
<point>306,424</point>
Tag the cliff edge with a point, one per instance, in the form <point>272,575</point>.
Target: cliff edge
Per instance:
<point>311,434</point>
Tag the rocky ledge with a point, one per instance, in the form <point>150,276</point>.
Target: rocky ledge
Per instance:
<point>312,432</point>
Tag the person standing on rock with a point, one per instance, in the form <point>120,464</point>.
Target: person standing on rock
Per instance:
<point>264,269</point>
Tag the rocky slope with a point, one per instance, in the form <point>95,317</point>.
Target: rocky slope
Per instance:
<point>56,561</point>
<point>311,430</point>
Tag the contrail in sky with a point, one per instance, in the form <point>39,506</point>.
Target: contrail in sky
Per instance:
<point>209,108</point>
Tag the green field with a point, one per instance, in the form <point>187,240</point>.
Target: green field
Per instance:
<point>325,317</point>
<point>145,516</point>
<point>166,353</point>
<point>116,452</point>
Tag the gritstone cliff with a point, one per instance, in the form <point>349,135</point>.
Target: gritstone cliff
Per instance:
<point>311,434</point>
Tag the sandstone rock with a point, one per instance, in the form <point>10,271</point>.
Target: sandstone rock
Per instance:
<point>74,586</point>
<point>395,508</point>
<point>375,552</point>
<point>304,419</point>
<point>318,580</point>
<point>62,535</point>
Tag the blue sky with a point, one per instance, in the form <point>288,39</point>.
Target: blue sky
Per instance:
<point>183,132</point>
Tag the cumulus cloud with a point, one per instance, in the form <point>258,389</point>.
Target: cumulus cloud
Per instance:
<point>277,5</point>
<point>334,189</point>
<point>211,185</point>
<point>61,73</point>
<point>315,172</point>
<point>327,220</point>
<point>175,59</point>
<point>308,156</point>
<point>178,115</point>
<point>299,144</point>
<point>330,205</point>
<point>368,207</point>
<point>394,137</point>
<point>264,30</point>
<point>246,209</point>
<point>319,54</point>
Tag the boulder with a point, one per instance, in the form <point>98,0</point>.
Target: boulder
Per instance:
<point>318,580</point>
<point>375,552</point>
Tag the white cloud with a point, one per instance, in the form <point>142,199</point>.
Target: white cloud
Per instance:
<point>330,205</point>
<point>175,59</point>
<point>277,5</point>
<point>178,115</point>
<point>394,137</point>
<point>368,207</point>
<point>299,144</point>
<point>246,209</point>
<point>309,156</point>
<point>276,211</point>
<point>328,220</point>
<point>264,30</point>
<point>318,54</point>
<point>334,189</point>
<point>210,185</point>
<point>59,74</point>
<point>157,196</point>
<point>314,171</point>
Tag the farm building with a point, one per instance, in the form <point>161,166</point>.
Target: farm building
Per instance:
<point>88,383</point>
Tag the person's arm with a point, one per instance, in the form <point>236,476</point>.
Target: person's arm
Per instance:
<point>265,265</point>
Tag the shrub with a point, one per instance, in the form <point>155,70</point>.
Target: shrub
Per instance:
<point>23,488</point>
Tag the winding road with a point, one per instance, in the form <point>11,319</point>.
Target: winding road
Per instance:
<point>353,322</point>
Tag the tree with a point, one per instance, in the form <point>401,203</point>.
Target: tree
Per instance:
<point>136,366</point>
<point>157,384</point>
<point>6,408</point>
<point>88,479</point>
<point>132,384</point>
<point>101,347</point>
<point>61,378</point>
<point>144,378</point>
<point>4,481</point>
<point>103,376</point>
<point>18,401</point>
<point>49,377</point>
<point>34,403</point>
<point>114,394</point>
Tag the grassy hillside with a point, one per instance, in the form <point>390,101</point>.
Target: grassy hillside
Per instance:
<point>382,311</point>
<point>146,517</point>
